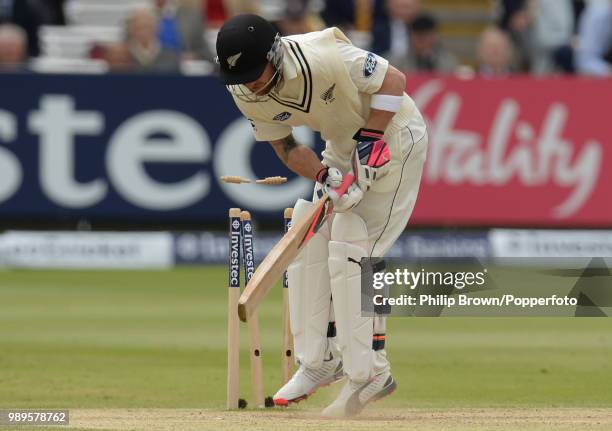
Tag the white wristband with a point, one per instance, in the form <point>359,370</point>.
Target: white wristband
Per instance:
<point>385,102</point>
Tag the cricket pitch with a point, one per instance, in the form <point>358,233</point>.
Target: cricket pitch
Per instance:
<point>506,419</point>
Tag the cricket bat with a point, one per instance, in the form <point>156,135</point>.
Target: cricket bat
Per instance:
<point>271,269</point>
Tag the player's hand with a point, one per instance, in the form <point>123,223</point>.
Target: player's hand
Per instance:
<point>330,177</point>
<point>371,157</point>
<point>349,200</point>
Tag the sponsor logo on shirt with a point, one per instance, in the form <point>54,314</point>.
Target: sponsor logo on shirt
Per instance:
<point>369,66</point>
<point>282,116</point>
<point>328,95</point>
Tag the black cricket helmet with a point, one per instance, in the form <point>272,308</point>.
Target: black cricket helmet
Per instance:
<point>245,45</point>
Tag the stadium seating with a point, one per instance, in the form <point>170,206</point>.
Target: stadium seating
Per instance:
<point>461,23</point>
<point>67,48</point>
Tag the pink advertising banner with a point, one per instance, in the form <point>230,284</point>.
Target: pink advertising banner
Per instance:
<point>519,151</point>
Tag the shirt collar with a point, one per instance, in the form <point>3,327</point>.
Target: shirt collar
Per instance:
<point>290,65</point>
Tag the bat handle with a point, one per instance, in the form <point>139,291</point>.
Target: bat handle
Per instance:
<point>346,183</point>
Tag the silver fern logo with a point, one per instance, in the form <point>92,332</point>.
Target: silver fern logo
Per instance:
<point>231,61</point>
<point>328,95</point>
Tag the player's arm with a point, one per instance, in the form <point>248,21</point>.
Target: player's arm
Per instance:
<point>303,161</point>
<point>373,75</point>
<point>393,85</point>
<point>297,157</point>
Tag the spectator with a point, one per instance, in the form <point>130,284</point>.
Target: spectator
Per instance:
<point>403,10</point>
<point>381,29</point>
<point>339,13</point>
<point>579,6</point>
<point>516,20</point>
<point>366,22</point>
<point>401,14</point>
<point>30,15</point>
<point>181,29</point>
<point>13,47</point>
<point>552,32</point>
<point>146,53</point>
<point>288,16</point>
<point>117,55</point>
<point>594,52</point>
<point>385,21</point>
<point>494,53</point>
<point>426,54</point>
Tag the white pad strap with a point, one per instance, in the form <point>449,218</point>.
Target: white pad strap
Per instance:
<point>310,295</point>
<point>386,102</point>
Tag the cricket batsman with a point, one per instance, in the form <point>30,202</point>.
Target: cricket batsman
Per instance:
<point>373,130</point>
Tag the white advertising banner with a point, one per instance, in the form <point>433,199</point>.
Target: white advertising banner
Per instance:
<point>578,246</point>
<point>86,250</point>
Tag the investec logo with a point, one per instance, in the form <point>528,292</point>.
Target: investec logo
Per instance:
<point>234,280</point>
<point>249,265</point>
<point>288,225</point>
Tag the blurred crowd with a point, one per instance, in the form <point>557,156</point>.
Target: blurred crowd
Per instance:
<point>518,36</point>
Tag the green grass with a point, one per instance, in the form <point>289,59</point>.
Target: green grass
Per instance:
<point>97,339</point>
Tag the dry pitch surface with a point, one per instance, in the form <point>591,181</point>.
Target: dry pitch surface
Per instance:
<point>385,419</point>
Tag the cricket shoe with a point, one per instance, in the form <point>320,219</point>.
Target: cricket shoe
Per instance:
<point>306,381</point>
<point>355,396</point>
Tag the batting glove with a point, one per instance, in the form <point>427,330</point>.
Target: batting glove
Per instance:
<point>330,177</point>
<point>371,157</point>
<point>349,200</point>
<point>333,180</point>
